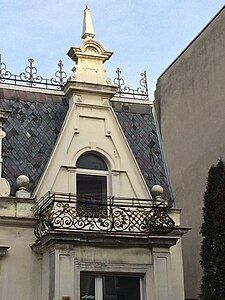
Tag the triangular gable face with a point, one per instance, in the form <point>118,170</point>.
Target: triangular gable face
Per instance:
<point>92,133</point>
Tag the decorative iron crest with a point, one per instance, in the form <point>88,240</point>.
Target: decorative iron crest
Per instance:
<point>30,74</point>
<point>4,74</point>
<point>64,212</point>
<point>124,91</point>
<point>60,75</point>
<point>31,78</point>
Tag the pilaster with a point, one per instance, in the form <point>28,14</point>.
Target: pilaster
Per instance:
<point>162,273</point>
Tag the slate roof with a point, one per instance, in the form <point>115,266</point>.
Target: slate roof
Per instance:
<point>31,131</point>
<point>34,124</point>
<point>139,126</point>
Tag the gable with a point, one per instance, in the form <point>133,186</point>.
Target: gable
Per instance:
<point>35,122</point>
<point>91,125</point>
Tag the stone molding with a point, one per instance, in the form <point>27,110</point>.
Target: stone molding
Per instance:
<point>67,239</point>
<point>18,222</point>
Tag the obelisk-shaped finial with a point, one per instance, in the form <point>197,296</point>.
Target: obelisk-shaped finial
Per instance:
<point>88,29</point>
<point>89,57</point>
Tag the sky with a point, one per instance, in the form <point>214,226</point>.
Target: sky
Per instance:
<point>143,34</point>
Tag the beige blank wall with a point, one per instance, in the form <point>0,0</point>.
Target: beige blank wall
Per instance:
<point>190,104</point>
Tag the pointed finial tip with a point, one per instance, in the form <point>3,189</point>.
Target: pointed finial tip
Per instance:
<point>88,30</point>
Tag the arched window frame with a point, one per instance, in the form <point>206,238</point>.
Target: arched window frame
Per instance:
<point>107,174</point>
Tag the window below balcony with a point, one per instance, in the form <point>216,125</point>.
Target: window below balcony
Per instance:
<point>109,287</point>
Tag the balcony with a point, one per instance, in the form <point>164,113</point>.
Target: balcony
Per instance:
<point>60,212</point>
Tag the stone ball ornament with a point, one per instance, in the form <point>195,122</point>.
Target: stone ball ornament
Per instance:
<point>22,182</point>
<point>157,191</point>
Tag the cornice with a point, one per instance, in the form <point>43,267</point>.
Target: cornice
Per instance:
<point>69,239</point>
<point>18,222</point>
<point>85,87</point>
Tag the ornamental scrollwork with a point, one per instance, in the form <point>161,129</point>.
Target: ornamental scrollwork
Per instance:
<point>30,74</point>
<point>29,77</point>
<point>4,73</point>
<point>60,75</point>
<point>125,91</point>
<point>103,217</point>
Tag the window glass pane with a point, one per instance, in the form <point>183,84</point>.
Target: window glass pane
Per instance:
<point>91,161</point>
<point>91,194</point>
<point>121,288</point>
<point>87,286</point>
<point>92,187</point>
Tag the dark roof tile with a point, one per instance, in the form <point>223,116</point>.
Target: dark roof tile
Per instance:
<point>139,128</point>
<point>30,137</point>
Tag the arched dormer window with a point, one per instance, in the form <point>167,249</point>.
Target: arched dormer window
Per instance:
<point>91,183</point>
<point>91,161</point>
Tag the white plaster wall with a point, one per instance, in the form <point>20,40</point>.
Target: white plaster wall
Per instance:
<point>177,278</point>
<point>20,268</point>
<point>45,277</point>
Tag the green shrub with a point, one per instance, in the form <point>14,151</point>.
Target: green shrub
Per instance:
<point>213,233</point>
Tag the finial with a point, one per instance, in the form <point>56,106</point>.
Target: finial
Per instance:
<point>157,194</point>
<point>157,191</point>
<point>23,183</point>
<point>88,29</point>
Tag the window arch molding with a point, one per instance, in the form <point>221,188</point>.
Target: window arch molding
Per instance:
<point>96,161</point>
<point>109,160</point>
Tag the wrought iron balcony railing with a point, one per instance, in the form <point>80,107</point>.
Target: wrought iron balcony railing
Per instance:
<point>68,212</point>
